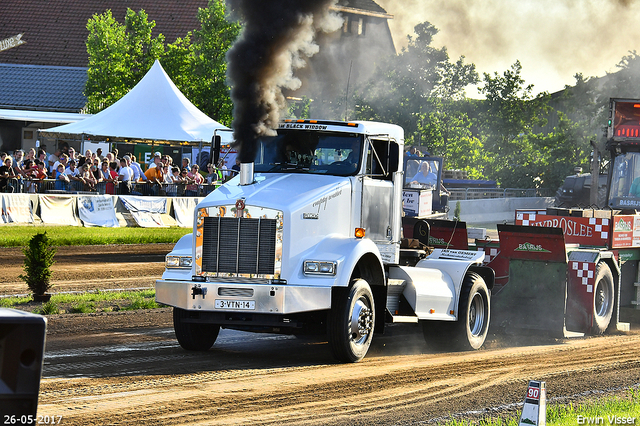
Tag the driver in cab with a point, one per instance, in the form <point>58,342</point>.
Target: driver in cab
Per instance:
<point>351,162</point>
<point>425,176</point>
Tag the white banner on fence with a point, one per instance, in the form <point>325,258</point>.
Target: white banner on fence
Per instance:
<point>16,208</point>
<point>145,210</point>
<point>183,209</point>
<point>58,210</point>
<point>98,210</point>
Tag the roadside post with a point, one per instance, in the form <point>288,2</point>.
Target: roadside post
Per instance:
<point>534,411</point>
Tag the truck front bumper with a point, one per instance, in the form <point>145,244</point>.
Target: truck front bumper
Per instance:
<point>245,297</point>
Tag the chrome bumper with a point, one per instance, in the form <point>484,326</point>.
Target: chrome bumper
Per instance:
<point>267,298</point>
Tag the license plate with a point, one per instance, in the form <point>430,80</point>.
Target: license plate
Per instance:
<point>236,304</point>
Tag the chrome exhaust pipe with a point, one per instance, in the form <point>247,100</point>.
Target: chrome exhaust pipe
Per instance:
<point>246,173</point>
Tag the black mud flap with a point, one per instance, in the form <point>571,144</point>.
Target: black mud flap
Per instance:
<point>534,297</point>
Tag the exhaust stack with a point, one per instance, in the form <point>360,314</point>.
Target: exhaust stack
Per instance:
<point>246,173</point>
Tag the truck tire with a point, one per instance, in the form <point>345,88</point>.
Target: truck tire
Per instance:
<point>603,299</point>
<point>193,337</point>
<point>470,331</point>
<point>351,322</point>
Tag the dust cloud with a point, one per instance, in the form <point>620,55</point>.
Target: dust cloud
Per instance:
<point>553,39</point>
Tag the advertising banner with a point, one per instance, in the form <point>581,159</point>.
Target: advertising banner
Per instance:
<point>183,211</point>
<point>58,210</point>
<point>16,208</point>
<point>146,211</point>
<point>98,210</point>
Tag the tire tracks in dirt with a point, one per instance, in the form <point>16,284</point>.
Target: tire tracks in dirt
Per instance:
<point>379,390</point>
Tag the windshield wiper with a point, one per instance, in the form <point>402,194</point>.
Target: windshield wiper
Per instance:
<point>287,166</point>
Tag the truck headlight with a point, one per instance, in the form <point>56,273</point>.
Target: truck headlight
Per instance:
<point>315,267</point>
<point>178,262</point>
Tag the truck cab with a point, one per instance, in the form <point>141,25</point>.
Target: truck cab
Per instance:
<point>307,239</point>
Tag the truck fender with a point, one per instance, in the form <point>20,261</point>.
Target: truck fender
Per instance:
<point>455,263</point>
<point>347,253</point>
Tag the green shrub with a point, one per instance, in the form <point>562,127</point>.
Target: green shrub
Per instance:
<point>140,303</point>
<point>49,308</point>
<point>83,308</point>
<point>37,264</point>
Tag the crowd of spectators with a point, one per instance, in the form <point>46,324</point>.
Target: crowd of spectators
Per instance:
<point>70,171</point>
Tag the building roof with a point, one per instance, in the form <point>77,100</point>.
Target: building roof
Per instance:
<point>55,31</point>
<point>38,87</point>
<point>368,5</point>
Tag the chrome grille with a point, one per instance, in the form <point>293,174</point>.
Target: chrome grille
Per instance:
<point>239,245</point>
<point>235,292</point>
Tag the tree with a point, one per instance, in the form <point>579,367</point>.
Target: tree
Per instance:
<point>507,120</point>
<point>119,56</point>
<point>400,85</point>
<point>209,90</point>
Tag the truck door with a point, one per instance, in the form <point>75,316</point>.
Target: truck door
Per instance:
<point>378,201</point>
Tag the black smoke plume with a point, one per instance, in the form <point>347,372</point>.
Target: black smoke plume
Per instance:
<point>277,37</point>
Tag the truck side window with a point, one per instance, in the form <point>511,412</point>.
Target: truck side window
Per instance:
<point>382,163</point>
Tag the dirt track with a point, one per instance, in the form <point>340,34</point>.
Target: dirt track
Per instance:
<point>126,368</point>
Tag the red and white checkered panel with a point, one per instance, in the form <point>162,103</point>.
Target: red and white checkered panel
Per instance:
<point>586,272</point>
<point>601,226</point>
<point>490,253</point>
<point>525,218</point>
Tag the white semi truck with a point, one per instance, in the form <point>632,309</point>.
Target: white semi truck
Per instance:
<point>309,239</point>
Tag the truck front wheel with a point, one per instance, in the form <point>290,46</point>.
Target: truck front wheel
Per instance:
<point>351,322</point>
<point>602,299</point>
<point>193,336</point>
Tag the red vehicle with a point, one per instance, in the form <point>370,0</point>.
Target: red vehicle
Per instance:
<point>564,269</point>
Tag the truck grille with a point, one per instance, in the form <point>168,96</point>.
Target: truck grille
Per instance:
<point>239,245</point>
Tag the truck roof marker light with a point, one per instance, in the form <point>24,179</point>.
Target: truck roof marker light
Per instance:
<point>636,105</point>
<point>452,312</point>
<point>313,121</point>
<point>300,121</point>
<point>352,124</point>
<point>360,233</point>
<point>432,311</point>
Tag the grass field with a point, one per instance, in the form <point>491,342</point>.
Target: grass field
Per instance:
<point>102,301</point>
<point>612,410</point>
<point>19,236</point>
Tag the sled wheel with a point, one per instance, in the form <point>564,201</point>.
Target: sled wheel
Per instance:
<point>351,322</point>
<point>603,299</point>
<point>192,336</point>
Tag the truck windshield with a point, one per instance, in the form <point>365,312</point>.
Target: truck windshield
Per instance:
<point>625,181</point>
<point>298,151</point>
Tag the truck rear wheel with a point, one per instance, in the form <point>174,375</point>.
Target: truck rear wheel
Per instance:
<point>351,322</point>
<point>193,336</point>
<point>470,331</point>
<point>602,299</point>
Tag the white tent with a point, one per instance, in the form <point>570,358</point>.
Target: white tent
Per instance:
<point>153,110</point>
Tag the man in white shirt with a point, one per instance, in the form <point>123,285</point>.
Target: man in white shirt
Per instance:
<point>138,174</point>
<point>53,159</point>
<point>125,176</point>
<point>155,160</point>
<point>73,173</point>
<point>62,160</point>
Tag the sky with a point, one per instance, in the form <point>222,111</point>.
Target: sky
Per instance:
<point>553,39</point>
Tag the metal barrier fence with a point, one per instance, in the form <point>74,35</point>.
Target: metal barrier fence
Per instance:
<point>458,194</point>
<point>52,186</point>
